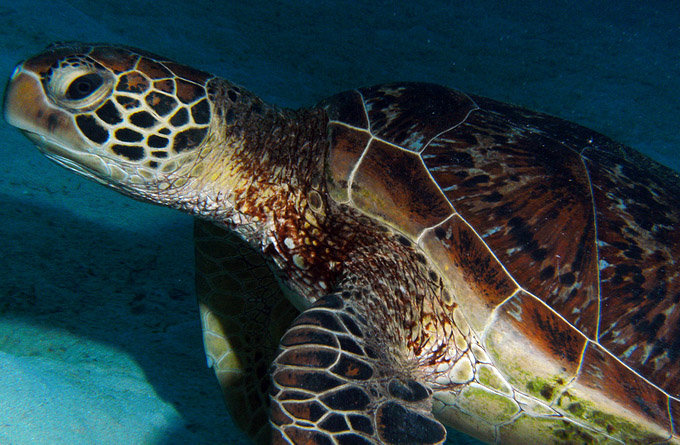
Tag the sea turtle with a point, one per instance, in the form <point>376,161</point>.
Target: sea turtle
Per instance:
<point>456,261</point>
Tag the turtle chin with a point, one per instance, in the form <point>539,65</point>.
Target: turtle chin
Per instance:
<point>82,163</point>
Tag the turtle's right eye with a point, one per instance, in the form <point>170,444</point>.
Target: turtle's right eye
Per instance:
<point>83,86</point>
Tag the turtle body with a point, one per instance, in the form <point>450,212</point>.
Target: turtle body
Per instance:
<point>396,259</point>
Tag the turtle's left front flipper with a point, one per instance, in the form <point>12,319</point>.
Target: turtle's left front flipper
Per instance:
<point>330,381</point>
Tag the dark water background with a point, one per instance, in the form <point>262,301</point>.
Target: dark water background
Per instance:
<point>99,333</point>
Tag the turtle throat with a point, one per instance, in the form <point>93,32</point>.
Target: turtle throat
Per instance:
<point>256,171</point>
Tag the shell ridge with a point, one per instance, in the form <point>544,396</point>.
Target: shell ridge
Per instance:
<point>596,247</point>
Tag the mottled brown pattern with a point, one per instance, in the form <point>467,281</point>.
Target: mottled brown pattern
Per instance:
<point>166,85</point>
<point>519,179</point>
<point>410,115</point>
<point>348,145</point>
<point>528,196</point>
<point>638,206</point>
<point>188,92</point>
<point>117,59</point>
<point>393,186</point>
<point>478,282</point>
<point>153,69</point>
<point>132,82</point>
<point>601,374</point>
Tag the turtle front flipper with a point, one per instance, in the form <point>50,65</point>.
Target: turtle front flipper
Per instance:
<point>243,314</point>
<point>332,384</point>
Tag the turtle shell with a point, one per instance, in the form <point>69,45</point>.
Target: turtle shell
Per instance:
<point>559,244</point>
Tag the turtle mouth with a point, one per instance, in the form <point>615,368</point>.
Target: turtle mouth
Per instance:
<point>84,164</point>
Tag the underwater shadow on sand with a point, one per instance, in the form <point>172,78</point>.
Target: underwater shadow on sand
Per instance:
<point>126,290</point>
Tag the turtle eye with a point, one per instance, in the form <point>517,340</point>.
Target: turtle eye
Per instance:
<point>78,87</point>
<point>83,86</point>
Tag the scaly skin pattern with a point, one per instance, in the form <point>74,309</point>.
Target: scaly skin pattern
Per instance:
<point>455,259</point>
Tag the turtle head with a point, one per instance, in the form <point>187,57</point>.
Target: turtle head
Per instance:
<point>123,117</point>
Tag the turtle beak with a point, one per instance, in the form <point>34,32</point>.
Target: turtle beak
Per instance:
<point>21,95</point>
<point>27,107</point>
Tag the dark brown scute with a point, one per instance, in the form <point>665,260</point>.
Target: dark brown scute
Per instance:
<point>166,85</point>
<point>411,114</point>
<point>361,423</point>
<point>410,391</point>
<point>352,439</point>
<point>528,196</point>
<point>523,173</point>
<point>309,357</point>
<point>352,368</point>
<point>348,398</point>
<point>189,139</point>
<point>550,333</point>
<point>307,380</point>
<point>109,113</point>
<point>91,128</point>
<point>308,410</point>
<point>161,103</point>
<point>304,436</point>
<point>186,72</point>
<point>334,423</point>
<point>132,82</point>
<point>142,119</point>
<point>393,185</point>
<point>188,92</point>
<point>309,336</point>
<point>639,229</point>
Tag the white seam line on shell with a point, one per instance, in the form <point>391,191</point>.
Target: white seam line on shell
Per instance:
<point>558,315</point>
<point>493,254</point>
<point>494,315</point>
<point>578,372</point>
<point>352,174</point>
<point>597,249</point>
<point>475,108</point>
<point>427,229</point>
<point>350,180</point>
<point>500,263</point>
<point>670,418</point>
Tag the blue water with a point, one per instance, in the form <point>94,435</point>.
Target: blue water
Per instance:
<point>99,334</point>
